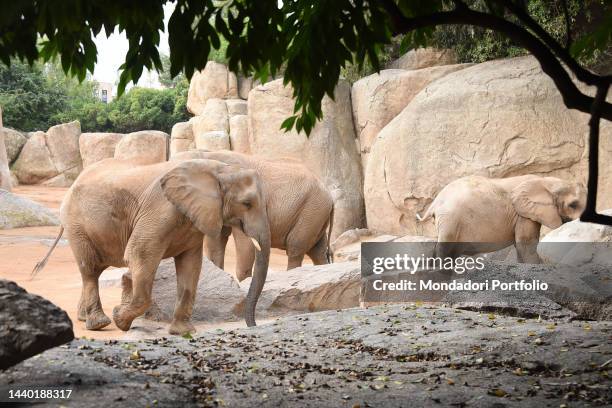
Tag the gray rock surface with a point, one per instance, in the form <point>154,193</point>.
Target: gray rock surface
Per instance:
<point>18,212</point>
<point>5,175</point>
<point>97,146</point>
<point>29,324</point>
<point>391,356</point>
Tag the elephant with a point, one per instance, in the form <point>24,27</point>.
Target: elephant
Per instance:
<point>299,206</point>
<point>476,214</point>
<point>120,214</point>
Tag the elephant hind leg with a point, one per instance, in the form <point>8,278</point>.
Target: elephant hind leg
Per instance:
<point>90,307</point>
<point>318,253</point>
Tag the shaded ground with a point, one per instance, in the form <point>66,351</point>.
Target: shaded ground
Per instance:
<point>60,281</point>
<point>383,356</point>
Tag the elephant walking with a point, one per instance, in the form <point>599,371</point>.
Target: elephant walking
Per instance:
<point>299,207</point>
<point>478,214</point>
<point>120,214</point>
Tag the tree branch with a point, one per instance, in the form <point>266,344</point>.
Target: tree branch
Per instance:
<point>581,73</point>
<point>572,97</point>
<point>590,212</point>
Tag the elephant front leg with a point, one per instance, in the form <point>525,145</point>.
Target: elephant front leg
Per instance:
<point>527,236</point>
<point>188,267</point>
<point>143,270</point>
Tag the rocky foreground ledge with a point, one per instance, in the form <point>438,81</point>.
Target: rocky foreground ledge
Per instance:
<point>383,356</point>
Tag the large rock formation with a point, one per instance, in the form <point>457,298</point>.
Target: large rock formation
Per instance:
<point>14,142</point>
<point>98,146</point>
<point>144,147</point>
<point>220,298</point>
<point>239,134</point>
<point>424,57</point>
<point>29,324</point>
<point>378,98</point>
<point>5,175</point>
<point>181,137</point>
<point>498,119</point>
<point>53,157</point>
<point>214,81</point>
<point>330,151</point>
<point>18,212</point>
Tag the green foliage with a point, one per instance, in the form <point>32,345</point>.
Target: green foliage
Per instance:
<point>38,97</point>
<point>28,99</point>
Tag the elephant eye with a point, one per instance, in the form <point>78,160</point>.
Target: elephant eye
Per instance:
<point>247,204</point>
<point>573,205</point>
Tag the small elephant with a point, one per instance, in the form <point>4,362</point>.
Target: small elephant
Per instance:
<point>120,214</point>
<point>486,214</point>
<point>299,206</point>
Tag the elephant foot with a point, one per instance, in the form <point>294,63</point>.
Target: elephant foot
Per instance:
<point>82,313</point>
<point>96,321</point>
<point>121,318</point>
<point>181,327</point>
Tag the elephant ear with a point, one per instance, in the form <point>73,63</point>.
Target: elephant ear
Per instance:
<point>531,199</point>
<point>194,190</point>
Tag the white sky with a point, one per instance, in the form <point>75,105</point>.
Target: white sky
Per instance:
<point>112,50</point>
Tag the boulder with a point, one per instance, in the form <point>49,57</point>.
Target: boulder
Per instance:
<point>181,137</point>
<point>213,118</point>
<point>330,150</point>
<point>498,119</point>
<point>212,141</point>
<point>34,163</point>
<point>14,142</point>
<point>239,134</point>
<point>53,157</point>
<point>219,297</point>
<point>144,147</point>
<point>63,144</point>
<point>424,58</point>
<point>380,97</point>
<point>578,243</point>
<point>29,325</point>
<point>97,146</point>
<point>214,81</point>
<point>349,237</point>
<point>309,288</point>
<point>236,107</point>
<point>5,175</point>
<point>14,180</point>
<point>18,212</point>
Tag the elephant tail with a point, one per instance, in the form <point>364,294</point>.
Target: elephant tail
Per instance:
<point>428,214</point>
<point>328,253</point>
<point>39,266</point>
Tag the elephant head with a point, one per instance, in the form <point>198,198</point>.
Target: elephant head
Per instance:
<point>549,200</point>
<point>213,194</point>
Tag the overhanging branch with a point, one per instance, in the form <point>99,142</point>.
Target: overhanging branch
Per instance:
<point>573,98</point>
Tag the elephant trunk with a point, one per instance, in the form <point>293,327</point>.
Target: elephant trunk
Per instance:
<point>260,271</point>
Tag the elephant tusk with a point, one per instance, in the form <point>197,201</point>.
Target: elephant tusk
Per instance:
<point>255,244</point>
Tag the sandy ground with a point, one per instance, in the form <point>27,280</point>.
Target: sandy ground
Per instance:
<point>60,282</point>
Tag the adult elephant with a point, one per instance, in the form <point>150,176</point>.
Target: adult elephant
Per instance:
<point>477,214</point>
<point>299,207</point>
<point>120,214</point>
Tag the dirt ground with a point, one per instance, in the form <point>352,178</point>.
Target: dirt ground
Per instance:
<point>60,282</point>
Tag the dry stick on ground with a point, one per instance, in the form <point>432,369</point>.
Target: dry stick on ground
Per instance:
<point>543,49</point>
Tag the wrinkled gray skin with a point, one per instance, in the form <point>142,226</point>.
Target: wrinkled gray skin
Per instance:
<point>120,214</point>
<point>299,207</point>
<point>496,213</point>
